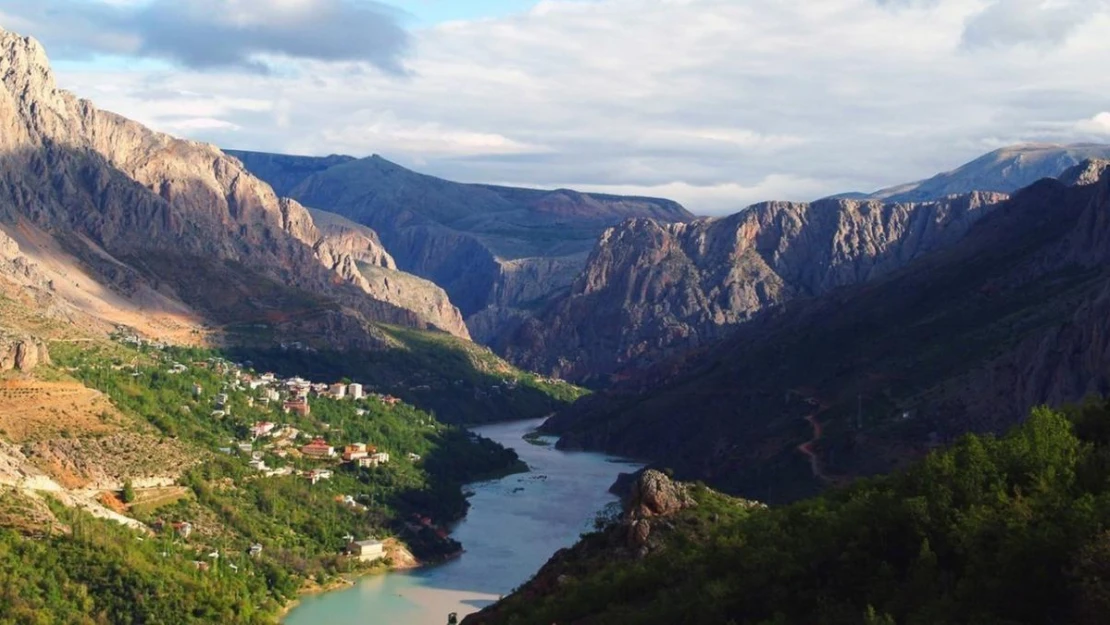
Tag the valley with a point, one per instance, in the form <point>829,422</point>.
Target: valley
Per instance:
<point>250,387</point>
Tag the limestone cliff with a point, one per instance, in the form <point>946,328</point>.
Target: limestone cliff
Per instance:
<point>864,378</point>
<point>148,216</point>
<point>651,289</point>
<point>500,253</point>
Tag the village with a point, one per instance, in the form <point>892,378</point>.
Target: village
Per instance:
<point>278,427</point>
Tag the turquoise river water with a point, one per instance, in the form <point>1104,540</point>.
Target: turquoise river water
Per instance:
<point>514,525</point>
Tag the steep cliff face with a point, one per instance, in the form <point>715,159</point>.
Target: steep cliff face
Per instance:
<point>650,289</point>
<point>863,378</point>
<point>142,212</point>
<point>500,253</point>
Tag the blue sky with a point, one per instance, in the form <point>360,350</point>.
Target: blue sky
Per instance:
<point>714,103</point>
<point>429,12</point>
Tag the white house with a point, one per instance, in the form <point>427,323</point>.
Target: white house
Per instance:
<point>355,390</point>
<point>367,550</point>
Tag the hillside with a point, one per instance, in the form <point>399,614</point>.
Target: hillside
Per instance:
<point>865,378</point>
<point>497,251</point>
<point>652,289</point>
<point>133,227</point>
<point>1010,530</point>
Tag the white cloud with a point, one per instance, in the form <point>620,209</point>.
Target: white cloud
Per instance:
<point>1097,125</point>
<point>714,102</point>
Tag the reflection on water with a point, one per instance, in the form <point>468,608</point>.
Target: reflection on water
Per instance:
<point>514,525</point>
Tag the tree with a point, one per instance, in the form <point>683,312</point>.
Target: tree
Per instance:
<point>128,493</point>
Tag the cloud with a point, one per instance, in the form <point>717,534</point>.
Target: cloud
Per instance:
<point>212,34</point>
<point>713,102</point>
<point>1097,125</point>
<point>1030,22</point>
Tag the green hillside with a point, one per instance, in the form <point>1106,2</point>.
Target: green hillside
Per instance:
<point>1005,531</point>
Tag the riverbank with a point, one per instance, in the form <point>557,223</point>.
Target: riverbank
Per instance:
<point>514,524</point>
<point>398,556</point>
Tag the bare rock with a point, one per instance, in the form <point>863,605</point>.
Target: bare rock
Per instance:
<point>655,494</point>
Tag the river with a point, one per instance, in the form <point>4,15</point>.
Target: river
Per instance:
<point>514,525</point>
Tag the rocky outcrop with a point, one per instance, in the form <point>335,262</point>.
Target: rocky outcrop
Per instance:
<point>652,289</point>
<point>654,494</point>
<point>499,252</point>
<point>865,378</point>
<point>146,212</point>
<point>22,353</point>
<point>357,255</point>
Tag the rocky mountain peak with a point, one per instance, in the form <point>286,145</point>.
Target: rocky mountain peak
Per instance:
<point>142,209</point>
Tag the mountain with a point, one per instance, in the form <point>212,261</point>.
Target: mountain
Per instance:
<point>133,227</point>
<point>651,289</point>
<point>1002,171</point>
<point>995,530</point>
<point>284,172</point>
<point>499,252</point>
<point>861,379</point>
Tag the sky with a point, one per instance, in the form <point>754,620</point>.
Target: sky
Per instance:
<point>715,103</point>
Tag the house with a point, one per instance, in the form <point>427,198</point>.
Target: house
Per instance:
<point>390,400</point>
<point>414,457</point>
<point>201,566</point>
<point>297,406</point>
<point>258,464</point>
<point>338,391</point>
<point>355,391</point>
<point>374,460</point>
<point>318,448</point>
<point>366,550</point>
<point>183,529</point>
<point>361,412</point>
<point>197,390</point>
<point>246,447</point>
<point>355,452</point>
<point>271,394</point>
<point>316,475</point>
<point>255,550</point>
<point>262,428</point>
<point>221,400</point>
<point>219,414</point>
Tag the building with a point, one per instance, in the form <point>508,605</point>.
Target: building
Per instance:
<point>255,550</point>
<point>258,464</point>
<point>375,459</point>
<point>297,406</point>
<point>414,457</point>
<point>318,448</point>
<point>316,475</point>
<point>355,391</point>
<point>355,452</point>
<point>262,428</point>
<point>366,550</point>
<point>338,391</point>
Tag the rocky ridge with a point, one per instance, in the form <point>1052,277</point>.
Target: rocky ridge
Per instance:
<point>652,289</point>
<point>154,217</point>
<point>867,377</point>
<point>499,252</point>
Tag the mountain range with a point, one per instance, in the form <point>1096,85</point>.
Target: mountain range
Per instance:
<point>863,378</point>
<point>499,252</point>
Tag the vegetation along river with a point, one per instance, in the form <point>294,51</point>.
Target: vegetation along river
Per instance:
<point>514,525</point>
